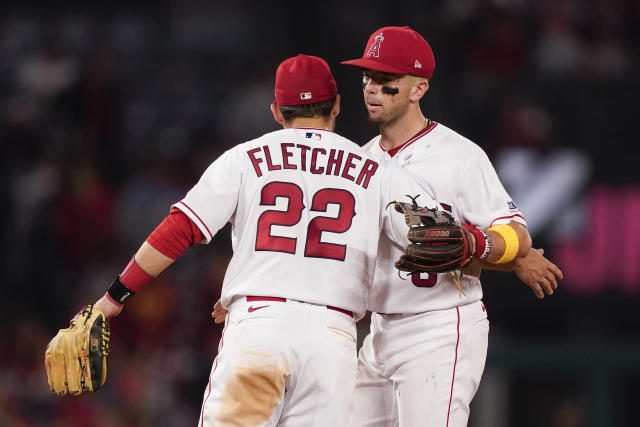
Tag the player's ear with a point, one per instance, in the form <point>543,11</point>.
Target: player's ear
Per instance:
<point>277,114</point>
<point>418,89</point>
<point>335,110</point>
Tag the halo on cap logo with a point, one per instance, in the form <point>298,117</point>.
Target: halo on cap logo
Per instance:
<point>305,95</point>
<point>374,50</point>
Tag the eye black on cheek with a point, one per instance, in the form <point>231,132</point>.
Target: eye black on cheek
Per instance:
<point>388,90</point>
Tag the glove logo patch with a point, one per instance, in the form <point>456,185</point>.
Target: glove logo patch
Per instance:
<point>437,233</point>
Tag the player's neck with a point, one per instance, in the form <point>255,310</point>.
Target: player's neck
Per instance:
<point>310,122</point>
<point>396,133</point>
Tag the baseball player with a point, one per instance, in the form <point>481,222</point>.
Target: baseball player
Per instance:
<point>307,207</point>
<point>422,362</point>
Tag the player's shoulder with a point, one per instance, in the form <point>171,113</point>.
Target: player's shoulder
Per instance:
<point>310,137</point>
<point>445,139</point>
<point>344,141</point>
<point>266,138</point>
<point>348,145</point>
<point>270,138</point>
<point>374,148</point>
<point>373,144</point>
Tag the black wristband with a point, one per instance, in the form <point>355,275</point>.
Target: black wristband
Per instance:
<point>119,292</point>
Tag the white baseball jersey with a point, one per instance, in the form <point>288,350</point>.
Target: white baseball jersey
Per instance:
<point>464,182</point>
<point>306,208</point>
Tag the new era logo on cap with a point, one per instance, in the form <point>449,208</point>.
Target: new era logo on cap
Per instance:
<point>417,64</point>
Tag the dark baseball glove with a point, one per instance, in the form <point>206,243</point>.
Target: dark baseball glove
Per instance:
<point>438,242</point>
<point>76,358</point>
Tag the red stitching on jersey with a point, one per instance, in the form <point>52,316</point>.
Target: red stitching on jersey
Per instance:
<point>199,219</point>
<point>455,362</point>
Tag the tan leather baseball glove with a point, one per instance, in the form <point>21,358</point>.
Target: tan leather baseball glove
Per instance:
<point>76,358</point>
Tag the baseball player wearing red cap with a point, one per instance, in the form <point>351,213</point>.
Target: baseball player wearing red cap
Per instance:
<point>422,362</point>
<point>306,207</point>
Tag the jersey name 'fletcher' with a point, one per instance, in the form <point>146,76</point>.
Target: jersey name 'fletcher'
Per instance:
<point>297,156</point>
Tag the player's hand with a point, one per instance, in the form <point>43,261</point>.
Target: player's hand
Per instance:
<point>219,313</point>
<point>540,274</point>
<point>109,308</point>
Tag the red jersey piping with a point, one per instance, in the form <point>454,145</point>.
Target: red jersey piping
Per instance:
<point>411,140</point>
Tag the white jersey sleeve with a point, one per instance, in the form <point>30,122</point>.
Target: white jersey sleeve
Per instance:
<point>482,199</point>
<point>211,203</point>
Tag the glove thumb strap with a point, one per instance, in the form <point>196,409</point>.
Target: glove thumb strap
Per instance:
<point>483,242</point>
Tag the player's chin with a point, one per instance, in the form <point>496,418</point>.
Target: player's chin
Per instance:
<point>374,118</point>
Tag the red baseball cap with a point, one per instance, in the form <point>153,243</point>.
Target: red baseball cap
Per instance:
<point>304,79</point>
<point>398,50</point>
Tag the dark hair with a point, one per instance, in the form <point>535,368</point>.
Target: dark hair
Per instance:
<point>322,108</point>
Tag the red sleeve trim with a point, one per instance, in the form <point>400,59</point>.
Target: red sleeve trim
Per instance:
<point>507,217</point>
<point>175,234</point>
<point>197,216</point>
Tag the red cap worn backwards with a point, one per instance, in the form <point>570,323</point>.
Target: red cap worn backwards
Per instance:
<point>398,50</point>
<point>304,80</point>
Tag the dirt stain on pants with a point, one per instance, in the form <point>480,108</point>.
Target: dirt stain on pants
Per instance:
<point>252,393</point>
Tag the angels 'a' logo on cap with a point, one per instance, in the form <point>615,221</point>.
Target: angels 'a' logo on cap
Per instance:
<point>305,95</point>
<point>374,50</point>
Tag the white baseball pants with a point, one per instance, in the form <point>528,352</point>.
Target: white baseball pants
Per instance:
<point>421,370</point>
<point>282,362</point>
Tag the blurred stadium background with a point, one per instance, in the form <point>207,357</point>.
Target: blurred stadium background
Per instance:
<point>110,111</point>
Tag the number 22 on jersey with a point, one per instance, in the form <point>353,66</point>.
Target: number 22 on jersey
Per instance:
<point>314,247</point>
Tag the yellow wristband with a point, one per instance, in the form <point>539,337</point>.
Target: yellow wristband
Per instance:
<point>511,242</point>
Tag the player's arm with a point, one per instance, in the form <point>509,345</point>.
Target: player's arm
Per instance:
<point>534,269</point>
<point>163,246</point>
<point>76,358</point>
<point>150,261</point>
<point>508,242</point>
<point>482,197</point>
